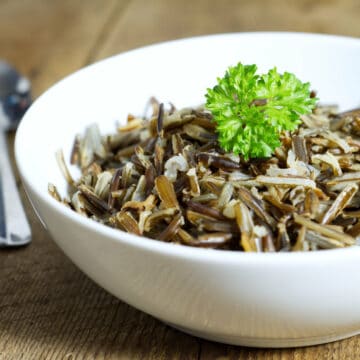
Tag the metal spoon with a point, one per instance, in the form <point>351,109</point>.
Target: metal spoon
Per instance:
<point>15,98</point>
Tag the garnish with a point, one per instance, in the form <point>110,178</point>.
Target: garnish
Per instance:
<point>252,110</point>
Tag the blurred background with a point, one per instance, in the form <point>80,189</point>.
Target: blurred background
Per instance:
<point>47,40</point>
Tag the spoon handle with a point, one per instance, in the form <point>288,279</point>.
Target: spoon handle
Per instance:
<point>14,226</point>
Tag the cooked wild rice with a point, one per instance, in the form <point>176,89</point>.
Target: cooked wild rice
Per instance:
<point>167,178</point>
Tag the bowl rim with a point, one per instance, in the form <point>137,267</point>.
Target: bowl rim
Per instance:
<point>171,249</point>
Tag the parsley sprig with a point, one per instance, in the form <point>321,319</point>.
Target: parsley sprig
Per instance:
<point>252,110</point>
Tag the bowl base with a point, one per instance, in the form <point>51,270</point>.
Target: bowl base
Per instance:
<point>266,342</point>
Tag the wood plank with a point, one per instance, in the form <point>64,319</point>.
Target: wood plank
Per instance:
<point>146,22</point>
<point>47,40</point>
<point>339,350</point>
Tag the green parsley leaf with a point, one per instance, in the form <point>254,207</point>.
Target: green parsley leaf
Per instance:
<point>252,110</point>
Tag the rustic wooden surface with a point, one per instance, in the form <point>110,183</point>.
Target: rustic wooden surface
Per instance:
<point>48,308</point>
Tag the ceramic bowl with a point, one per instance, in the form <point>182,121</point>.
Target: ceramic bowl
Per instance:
<point>265,300</point>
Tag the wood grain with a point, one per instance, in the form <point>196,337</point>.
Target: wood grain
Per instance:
<point>48,308</point>
<point>146,22</point>
<point>48,40</point>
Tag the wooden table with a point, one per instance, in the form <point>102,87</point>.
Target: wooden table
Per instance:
<point>48,308</point>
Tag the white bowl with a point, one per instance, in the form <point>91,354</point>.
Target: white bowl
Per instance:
<point>272,300</point>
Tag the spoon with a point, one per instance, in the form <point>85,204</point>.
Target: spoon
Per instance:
<point>15,99</point>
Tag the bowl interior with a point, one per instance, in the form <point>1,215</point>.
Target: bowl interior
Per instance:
<point>179,72</point>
